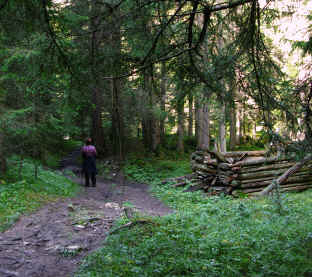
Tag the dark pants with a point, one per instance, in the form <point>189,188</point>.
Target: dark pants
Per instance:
<point>87,179</point>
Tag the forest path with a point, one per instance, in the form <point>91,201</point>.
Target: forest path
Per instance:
<point>53,241</point>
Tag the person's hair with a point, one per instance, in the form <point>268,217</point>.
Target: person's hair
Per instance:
<point>88,141</point>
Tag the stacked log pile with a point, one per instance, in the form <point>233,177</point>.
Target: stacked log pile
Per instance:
<point>249,172</point>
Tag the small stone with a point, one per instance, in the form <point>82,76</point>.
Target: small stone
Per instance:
<point>74,247</point>
<point>112,205</point>
<point>70,208</point>
<point>80,227</point>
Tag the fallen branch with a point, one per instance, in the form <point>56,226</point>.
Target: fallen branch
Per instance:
<point>130,225</point>
<point>177,179</point>
<point>285,176</point>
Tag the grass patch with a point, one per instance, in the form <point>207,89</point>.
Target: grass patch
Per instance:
<point>216,236</point>
<point>20,196</point>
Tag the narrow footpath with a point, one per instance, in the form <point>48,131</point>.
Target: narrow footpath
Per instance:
<point>53,241</point>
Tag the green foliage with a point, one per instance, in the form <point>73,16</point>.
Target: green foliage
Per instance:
<point>22,195</point>
<point>214,236</point>
<point>171,142</point>
<point>151,170</point>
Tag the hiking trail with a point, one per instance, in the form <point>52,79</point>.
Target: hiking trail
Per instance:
<point>53,241</point>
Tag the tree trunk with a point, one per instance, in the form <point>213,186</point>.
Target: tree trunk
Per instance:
<point>204,123</point>
<point>117,120</point>
<point>163,88</point>
<point>233,137</point>
<point>97,131</point>
<point>222,129</point>
<point>3,162</point>
<point>190,118</point>
<point>240,123</point>
<point>155,122</point>
<point>180,111</point>
<point>198,111</point>
<point>117,103</point>
<point>148,115</point>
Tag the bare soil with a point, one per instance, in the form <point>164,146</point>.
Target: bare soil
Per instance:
<point>53,241</point>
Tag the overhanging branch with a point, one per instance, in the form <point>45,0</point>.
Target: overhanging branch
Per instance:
<point>161,32</point>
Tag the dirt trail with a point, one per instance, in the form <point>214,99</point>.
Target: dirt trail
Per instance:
<point>53,241</point>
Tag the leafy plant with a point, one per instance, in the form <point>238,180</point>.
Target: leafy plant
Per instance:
<point>18,197</point>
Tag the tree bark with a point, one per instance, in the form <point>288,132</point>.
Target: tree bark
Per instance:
<point>147,122</point>
<point>117,96</point>
<point>205,127</point>
<point>239,124</point>
<point>197,120</point>
<point>117,120</point>
<point>180,111</point>
<point>222,129</point>
<point>190,118</point>
<point>233,137</point>
<point>163,95</point>
<point>97,131</point>
<point>3,162</point>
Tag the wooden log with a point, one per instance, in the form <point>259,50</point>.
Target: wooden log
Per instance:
<point>300,173</point>
<point>270,173</point>
<point>285,186</point>
<point>242,157</point>
<point>180,184</point>
<point>198,159</point>
<point>213,163</point>
<point>293,189</point>
<point>282,189</point>
<point>207,164</point>
<point>237,154</point>
<point>296,188</point>
<point>260,174</point>
<point>234,183</point>
<point>203,168</point>
<point>227,180</point>
<point>294,179</point>
<point>224,166</point>
<point>236,192</point>
<point>286,175</point>
<point>259,161</point>
<point>218,155</point>
<point>195,187</point>
<point>266,167</point>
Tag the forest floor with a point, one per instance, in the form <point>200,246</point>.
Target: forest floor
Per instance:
<point>54,240</point>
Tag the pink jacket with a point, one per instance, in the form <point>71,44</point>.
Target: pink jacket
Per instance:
<point>89,151</point>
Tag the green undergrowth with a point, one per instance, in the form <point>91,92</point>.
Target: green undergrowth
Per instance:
<point>153,170</point>
<point>23,193</point>
<point>215,236</point>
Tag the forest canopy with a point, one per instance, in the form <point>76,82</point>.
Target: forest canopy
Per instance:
<point>169,74</point>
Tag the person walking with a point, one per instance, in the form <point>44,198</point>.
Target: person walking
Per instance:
<point>89,165</point>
